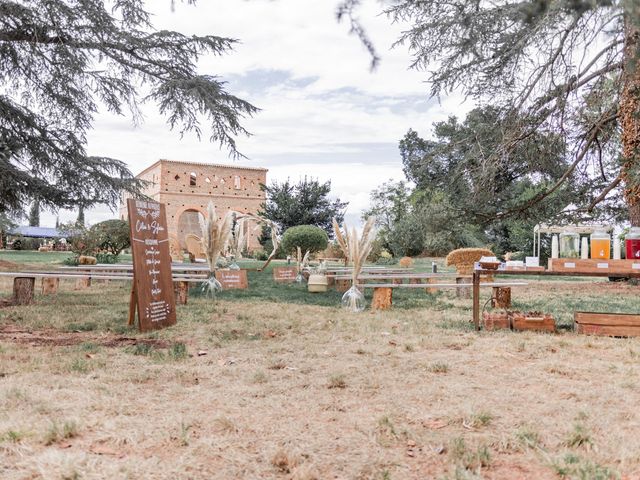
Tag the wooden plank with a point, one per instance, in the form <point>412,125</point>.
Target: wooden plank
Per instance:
<point>543,323</point>
<point>611,319</point>
<point>232,279</point>
<point>285,274</point>
<point>441,285</point>
<point>151,264</point>
<point>608,330</point>
<point>476,299</point>
<point>594,265</point>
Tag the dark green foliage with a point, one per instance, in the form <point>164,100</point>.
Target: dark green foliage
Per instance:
<point>555,65</point>
<point>109,258</point>
<point>305,203</point>
<point>60,60</point>
<point>466,197</point>
<point>111,235</point>
<point>307,237</point>
<point>34,214</point>
<point>26,243</point>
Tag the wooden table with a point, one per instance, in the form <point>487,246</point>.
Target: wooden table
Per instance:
<point>477,274</point>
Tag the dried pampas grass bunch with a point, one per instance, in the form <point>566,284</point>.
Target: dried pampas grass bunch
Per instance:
<point>341,238</point>
<point>358,249</point>
<point>215,238</point>
<point>238,239</point>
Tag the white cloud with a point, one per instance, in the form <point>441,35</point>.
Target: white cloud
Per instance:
<point>324,114</point>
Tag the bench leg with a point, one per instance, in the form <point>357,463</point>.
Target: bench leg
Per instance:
<point>501,297</point>
<point>50,285</point>
<point>382,298</point>
<point>82,283</point>
<point>182,292</point>
<point>463,292</point>
<point>23,290</point>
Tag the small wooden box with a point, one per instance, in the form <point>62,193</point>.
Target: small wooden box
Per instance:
<point>607,324</point>
<point>532,321</point>
<point>496,320</point>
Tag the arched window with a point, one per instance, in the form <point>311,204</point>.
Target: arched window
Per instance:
<point>236,182</point>
<point>192,179</point>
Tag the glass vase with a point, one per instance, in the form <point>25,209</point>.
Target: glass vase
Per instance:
<point>353,300</point>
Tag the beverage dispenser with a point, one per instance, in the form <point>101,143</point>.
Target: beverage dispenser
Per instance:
<point>632,243</point>
<point>600,245</point>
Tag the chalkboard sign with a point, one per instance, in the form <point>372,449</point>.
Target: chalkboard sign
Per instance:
<point>152,291</point>
<point>230,279</point>
<point>285,274</point>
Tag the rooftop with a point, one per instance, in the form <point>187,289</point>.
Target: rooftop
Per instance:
<point>203,164</point>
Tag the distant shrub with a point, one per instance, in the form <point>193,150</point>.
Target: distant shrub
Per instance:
<point>72,261</point>
<point>260,255</point>
<point>307,237</point>
<point>106,257</point>
<point>386,261</point>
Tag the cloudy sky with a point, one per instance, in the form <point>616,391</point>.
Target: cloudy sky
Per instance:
<point>323,113</point>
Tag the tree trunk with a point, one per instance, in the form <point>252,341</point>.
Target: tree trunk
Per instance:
<point>630,119</point>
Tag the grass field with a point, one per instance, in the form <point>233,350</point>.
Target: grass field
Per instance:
<point>276,383</point>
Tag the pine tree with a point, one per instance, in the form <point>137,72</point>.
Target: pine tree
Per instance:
<point>80,219</point>
<point>60,60</point>
<point>34,214</point>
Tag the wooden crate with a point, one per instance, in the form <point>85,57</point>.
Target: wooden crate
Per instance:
<point>541,322</point>
<point>607,324</point>
<point>496,320</point>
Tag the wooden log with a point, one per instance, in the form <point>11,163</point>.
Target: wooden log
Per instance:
<point>50,285</point>
<point>82,283</point>
<point>182,292</point>
<point>429,289</point>
<point>501,297</point>
<point>23,290</point>
<point>382,298</point>
<point>463,292</point>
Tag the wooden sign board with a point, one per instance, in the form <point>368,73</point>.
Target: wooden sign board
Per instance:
<point>152,291</point>
<point>285,274</point>
<point>231,279</point>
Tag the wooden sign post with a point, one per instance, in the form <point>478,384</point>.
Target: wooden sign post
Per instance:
<point>152,292</point>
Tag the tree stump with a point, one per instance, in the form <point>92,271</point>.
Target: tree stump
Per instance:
<point>501,297</point>
<point>182,292</point>
<point>429,289</point>
<point>23,290</point>
<point>50,285</point>
<point>82,283</point>
<point>463,292</point>
<point>382,298</point>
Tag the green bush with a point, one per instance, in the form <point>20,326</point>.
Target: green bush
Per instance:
<point>111,235</point>
<point>106,257</point>
<point>307,237</point>
<point>72,261</point>
<point>386,261</point>
<point>260,255</point>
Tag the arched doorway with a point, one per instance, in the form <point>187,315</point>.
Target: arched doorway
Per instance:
<point>189,222</point>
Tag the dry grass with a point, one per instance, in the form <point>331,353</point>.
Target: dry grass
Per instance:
<point>270,390</point>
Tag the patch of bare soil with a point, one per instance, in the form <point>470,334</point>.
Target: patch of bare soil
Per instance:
<point>55,338</point>
<point>9,266</point>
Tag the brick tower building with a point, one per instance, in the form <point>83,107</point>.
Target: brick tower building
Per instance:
<point>187,187</point>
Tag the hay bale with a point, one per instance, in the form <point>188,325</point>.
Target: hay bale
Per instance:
<point>464,258</point>
<point>406,262</point>
<point>87,260</point>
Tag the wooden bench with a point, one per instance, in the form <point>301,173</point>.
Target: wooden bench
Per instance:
<point>24,282</point>
<point>383,292</point>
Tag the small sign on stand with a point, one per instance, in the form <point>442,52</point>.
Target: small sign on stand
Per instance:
<point>231,279</point>
<point>152,292</point>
